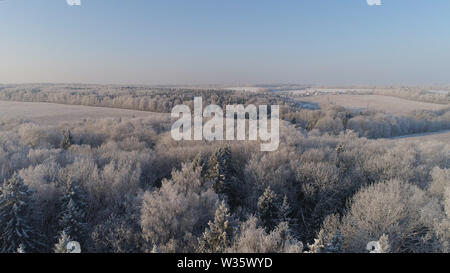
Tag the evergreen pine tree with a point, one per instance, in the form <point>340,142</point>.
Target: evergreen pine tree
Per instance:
<point>285,212</point>
<point>16,232</point>
<point>222,173</point>
<point>217,237</point>
<point>269,209</point>
<point>61,245</point>
<point>72,218</point>
<point>67,140</point>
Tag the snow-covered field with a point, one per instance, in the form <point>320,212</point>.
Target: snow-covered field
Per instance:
<point>439,91</point>
<point>50,113</point>
<point>245,89</point>
<point>326,91</point>
<point>443,136</point>
<point>387,104</point>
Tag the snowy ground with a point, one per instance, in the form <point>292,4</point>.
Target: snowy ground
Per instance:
<point>386,104</point>
<point>442,136</point>
<point>245,89</point>
<point>50,113</point>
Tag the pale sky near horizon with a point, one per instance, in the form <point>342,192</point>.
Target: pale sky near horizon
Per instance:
<point>225,41</point>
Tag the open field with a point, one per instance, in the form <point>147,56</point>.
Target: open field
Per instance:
<point>246,89</point>
<point>443,136</point>
<point>386,104</point>
<point>51,113</point>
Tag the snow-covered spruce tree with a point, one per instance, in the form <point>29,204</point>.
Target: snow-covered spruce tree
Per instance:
<point>285,212</point>
<point>72,218</point>
<point>269,209</point>
<point>217,237</point>
<point>16,232</point>
<point>221,171</point>
<point>61,245</point>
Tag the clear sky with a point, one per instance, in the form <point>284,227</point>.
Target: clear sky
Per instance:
<point>225,41</point>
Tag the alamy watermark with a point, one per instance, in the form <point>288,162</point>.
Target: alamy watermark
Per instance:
<point>192,126</point>
<point>73,2</point>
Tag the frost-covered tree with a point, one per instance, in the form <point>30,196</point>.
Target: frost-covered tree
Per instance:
<point>322,244</point>
<point>16,230</point>
<point>285,241</point>
<point>200,162</point>
<point>61,245</point>
<point>392,208</point>
<point>217,237</point>
<point>175,214</point>
<point>118,234</point>
<point>384,246</point>
<point>67,140</point>
<point>340,148</point>
<point>254,239</point>
<point>285,212</point>
<point>269,209</point>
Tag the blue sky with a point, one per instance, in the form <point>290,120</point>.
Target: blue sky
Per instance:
<point>225,41</point>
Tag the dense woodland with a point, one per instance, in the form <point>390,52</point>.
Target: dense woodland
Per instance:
<point>124,185</point>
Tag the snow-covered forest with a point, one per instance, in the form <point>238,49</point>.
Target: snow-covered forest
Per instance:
<point>124,185</point>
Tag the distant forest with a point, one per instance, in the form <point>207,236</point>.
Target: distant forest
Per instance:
<point>331,119</point>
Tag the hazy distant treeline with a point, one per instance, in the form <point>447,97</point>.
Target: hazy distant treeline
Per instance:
<point>134,97</point>
<point>125,186</point>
